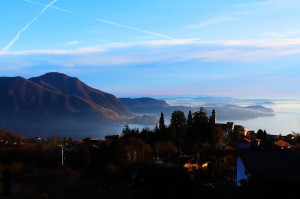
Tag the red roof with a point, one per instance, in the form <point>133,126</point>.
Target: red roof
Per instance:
<point>282,143</point>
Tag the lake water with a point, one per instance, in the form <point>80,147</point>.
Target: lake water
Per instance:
<point>285,121</point>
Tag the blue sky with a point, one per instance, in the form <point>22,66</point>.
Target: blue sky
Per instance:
<point>149,48</point>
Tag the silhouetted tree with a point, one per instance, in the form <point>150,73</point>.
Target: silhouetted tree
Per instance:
<point>201,125</point>
<point>189,131</point>
<point>262,135</point>
<point>233,136</point>
<point>178,124</point>
<point>162,125</point>
<point>156,128</point>
<point>126,129</point>
<point>127,132</point>
<point>189,121</point>
<point>147,135</point>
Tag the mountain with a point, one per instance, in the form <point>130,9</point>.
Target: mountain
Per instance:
<point>72,86</point>
<point>56,103</point>
<point>214,99</point>
<point>226,112</point>
<point>144,104</point>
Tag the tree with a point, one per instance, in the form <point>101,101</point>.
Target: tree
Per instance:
<point>262,135</point>
<point>201,125</point>
<point>126,131</point>
<point>233,136</point>
<point>162,125</point>
<point>189,122</point>
<point>189,126</point>
<point>178,124</point>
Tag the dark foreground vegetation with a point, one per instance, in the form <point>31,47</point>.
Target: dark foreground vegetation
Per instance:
<point>190,158</point>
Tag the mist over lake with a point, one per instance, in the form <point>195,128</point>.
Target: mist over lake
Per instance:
<point>286,117</point>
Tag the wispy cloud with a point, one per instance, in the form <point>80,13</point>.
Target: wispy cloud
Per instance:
<point>69,43</point>
<point>256,3</point>
<point>165,51</point>
<point>262,3</point>
<point>17,37</point>
<point>172,42</point>
<point>262,43</point>
<point>55,7</point>
<point>210,22</point>
<point>282,34</point>
<point>137,29</point>
<point>86,50</point>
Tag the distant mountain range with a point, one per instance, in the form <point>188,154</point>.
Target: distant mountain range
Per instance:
<point>55,103</point>
<point>225,111</point>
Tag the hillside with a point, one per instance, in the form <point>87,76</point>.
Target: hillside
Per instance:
<point>56,103</point>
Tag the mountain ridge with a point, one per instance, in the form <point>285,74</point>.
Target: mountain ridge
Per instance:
<point>56,100</point>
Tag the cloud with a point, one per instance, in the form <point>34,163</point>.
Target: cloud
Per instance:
<point>279,3</point>
<point>262,43</point>
<point>285,34</point>
<point>17,37</point>
<point>86,50</point>
<point>69,43</point>
<point>210,22</point>
<point>137,29</point>
<point>166,51</point>
<point>172,42</point>
<point>257,3</point>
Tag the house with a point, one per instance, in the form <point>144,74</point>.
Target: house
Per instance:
<point>241,129</point>
<point>194,165</point>
<point>93,142</point>
<point>266,164</point>
<point>111,138</point>
<point>251,135</point>
<point>219,159</point>
<point>282,144</point>
<point>228,127</point>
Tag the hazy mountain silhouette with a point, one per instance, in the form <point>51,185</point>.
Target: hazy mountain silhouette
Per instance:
<point>55,103</point>
<point>225,111</point>
<point>144,105</point>
<point>72,86</point>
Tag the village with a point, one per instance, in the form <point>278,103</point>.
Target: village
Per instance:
<point>134,163</point>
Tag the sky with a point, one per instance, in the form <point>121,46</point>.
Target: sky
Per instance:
<point>157,48</point>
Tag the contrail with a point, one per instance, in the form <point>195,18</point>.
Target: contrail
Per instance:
<point>106,21</point>
<point>55,7</point>
<point>13,41</point>
<point>137,29</point>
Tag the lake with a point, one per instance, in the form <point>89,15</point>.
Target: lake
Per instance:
<point>286,119</point>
